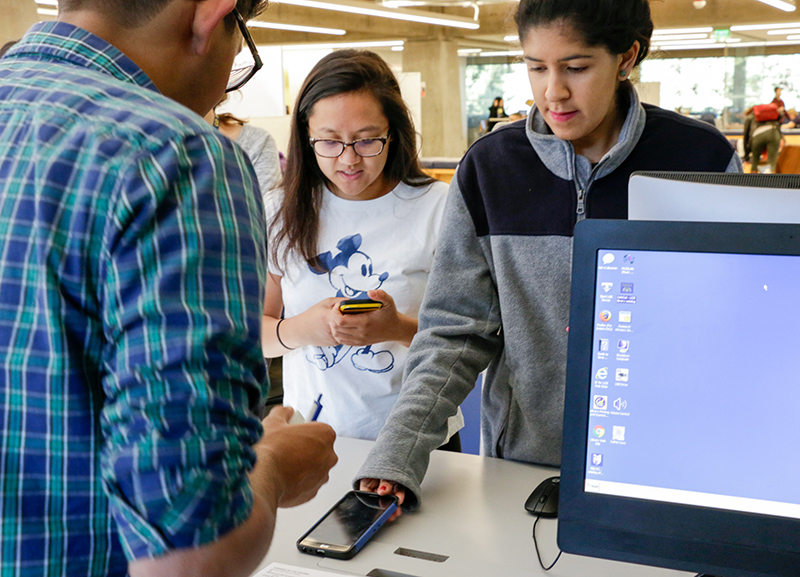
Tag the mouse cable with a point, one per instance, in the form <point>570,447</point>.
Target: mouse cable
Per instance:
<point>536,546</point>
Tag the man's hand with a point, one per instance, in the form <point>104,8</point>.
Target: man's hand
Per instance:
<point>293,460</point>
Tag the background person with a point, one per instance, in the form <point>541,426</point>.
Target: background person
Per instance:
<point>498,296</point>
<point>133,247</point>
<point>777,100</point>
<point>791,120</point>
<point>257,143</point>
<point>765,136</point>
<point>496,110</point>
<point>358,219</point>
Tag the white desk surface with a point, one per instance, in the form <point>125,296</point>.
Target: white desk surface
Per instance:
<point>472,512</point>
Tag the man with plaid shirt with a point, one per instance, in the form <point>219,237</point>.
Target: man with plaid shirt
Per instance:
<point>131,281</point>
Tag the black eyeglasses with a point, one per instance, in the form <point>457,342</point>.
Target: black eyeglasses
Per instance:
<point>241,74</point>
<point>364,147</point>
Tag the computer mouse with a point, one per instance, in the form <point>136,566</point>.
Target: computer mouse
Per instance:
<point>543,502</point>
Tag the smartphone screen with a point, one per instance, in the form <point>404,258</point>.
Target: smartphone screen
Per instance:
<point>348,525</point>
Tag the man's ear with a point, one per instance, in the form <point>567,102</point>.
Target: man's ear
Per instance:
<point>208,15</point>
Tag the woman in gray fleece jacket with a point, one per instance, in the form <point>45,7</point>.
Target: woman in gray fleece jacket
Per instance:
<point>498,294</point>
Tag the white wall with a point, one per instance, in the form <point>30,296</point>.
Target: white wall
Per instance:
<point>264,94</point>
<point>277,126</point>
<point>649,92</point>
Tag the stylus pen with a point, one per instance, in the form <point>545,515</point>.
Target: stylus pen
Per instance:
<point>317,408</point>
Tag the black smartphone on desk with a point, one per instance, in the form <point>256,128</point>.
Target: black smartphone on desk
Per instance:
<point>348,525</point>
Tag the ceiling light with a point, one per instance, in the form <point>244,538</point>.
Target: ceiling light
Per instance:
<point>468,51</point>
<point>780,5</point>
<point>47,12</point>
<point>368,9</point>
<point>683,42</point>
<point>785,31</point>
<point>295,28</point>
<point>502,53</point>
<point>793,37</point>
<point>398,48</point>
<point>47,2</point>
<point>694,47</point>
<point>745,27</point>
<point>511,38</point>
<point>739,45</point>
<point>667,31</point>
<point>338,45</point>
<point>658,39</point>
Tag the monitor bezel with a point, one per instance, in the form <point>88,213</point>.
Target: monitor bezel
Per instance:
<point>727,543</point>
<point>714,196</point>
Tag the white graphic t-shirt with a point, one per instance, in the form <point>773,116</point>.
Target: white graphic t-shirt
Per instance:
<point>386,243</point>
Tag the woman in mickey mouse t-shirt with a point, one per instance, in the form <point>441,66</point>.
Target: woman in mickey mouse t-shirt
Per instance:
<point>358,218</point>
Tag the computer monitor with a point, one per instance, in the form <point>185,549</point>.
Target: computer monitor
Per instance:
<point>682,406</point>
<point>714,197</point>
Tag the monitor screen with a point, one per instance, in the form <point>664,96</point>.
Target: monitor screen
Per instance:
<point>683,397</point>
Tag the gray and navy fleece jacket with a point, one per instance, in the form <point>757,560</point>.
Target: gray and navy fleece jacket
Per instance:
<point>498,294</point>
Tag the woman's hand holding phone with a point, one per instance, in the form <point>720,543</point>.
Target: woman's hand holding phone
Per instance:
<point>378,326</point>
<point>313,326</point>
<point>385,487</point>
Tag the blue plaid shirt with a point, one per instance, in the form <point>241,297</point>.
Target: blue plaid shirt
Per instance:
<point>132,266</point>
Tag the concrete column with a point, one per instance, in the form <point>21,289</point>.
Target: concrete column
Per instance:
<point>18,16</point>
<point>442,127</point>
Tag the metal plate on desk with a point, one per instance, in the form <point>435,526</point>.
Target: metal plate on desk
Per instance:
<point>381,556</point>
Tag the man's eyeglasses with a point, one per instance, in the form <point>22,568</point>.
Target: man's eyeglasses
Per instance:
<point>364,147</point>
<point>241,74</point>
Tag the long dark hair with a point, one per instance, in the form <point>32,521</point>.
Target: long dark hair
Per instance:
<point>614,24</point>
<point>297,220</point>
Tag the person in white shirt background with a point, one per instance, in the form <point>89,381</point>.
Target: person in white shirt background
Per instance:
<point>357,218</point>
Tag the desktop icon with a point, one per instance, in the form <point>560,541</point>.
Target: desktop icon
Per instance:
<point>619,404</point>
<point>605,316</point>
<point>602,345</point>
<point>627,259</point>
<point>618,433</point>
<point>608,258</point>
<point>624,316</point>
<point>622,374</point>
<point>600,402</point>
<point>607,286</point>
<point>602,374</point>
<point>623,346</point>
<point>599,431</point>
<point>626,288</point>
<point>597,459</point>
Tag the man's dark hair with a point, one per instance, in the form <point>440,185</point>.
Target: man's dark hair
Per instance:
<point>134,13</point>
<point>613,24</point>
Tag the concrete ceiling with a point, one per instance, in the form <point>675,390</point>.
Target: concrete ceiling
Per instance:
<point>495,18</point>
